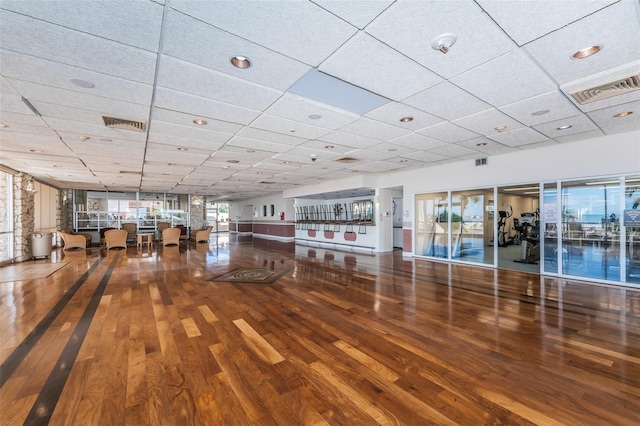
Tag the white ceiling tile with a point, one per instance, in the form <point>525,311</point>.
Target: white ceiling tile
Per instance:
<point>518,137</point>
<point>30,120</point>
<point>181,118</point>
<point>579,124</point>
<point>171,150</point>
<point>459,102</point>
<point>448,132</point>
<point>282,125</point>
<point>491,147</point>
<point>616,28</point>
<point>392,149</point>
<point>190,132</point>
<point>358,13</point>
<point>415,141</point>
<point>426,156</point>
<point>392,112</point>
<point>515,17</point>
<point>410,28</point>
<point>518,76</point>
<point>176,141</point>
<point>374,129</point>
<point>261,145</point>
<point>348,139</point>
<point>37,38</point>
<point>299,109</point>
<point>604,118</point>
<point>374,66</point>
<point>278,138</point>
<point>580,136</point>
<point>554,102</point>
<point>485,122</point>
<point>185,77</point>
<point>317,32</point>
<point>201,107</point>
<point>452,150</point>
<point>370,155</point>
<point>197,42</point>
<point>53,74</point>
<point>378,167</point>
<point>319,145</point>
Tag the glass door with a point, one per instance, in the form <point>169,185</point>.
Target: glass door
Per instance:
<point>471,226</point>
<point>432,231</point>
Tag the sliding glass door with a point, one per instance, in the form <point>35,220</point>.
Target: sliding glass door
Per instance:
<point>6,216</point>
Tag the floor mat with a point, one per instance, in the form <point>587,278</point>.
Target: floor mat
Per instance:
<point>28,271</point>
<point>250,275</point>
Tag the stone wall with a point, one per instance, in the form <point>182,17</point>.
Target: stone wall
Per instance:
<point>197,212</point>
<point>24,205</point>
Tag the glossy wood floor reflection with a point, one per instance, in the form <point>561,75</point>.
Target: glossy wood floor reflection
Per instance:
<point>183,336</point>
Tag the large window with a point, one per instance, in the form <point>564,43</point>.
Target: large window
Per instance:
<point>432,232</point>
<point>631,220</point>
<point>591,229</point>
<point>98,210</point>
<point>471,225</point>
<point>6,216</point>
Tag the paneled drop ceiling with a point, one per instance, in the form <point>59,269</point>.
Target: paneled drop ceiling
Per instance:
<point>328,79</point>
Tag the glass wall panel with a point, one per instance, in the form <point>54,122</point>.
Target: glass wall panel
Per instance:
<point>431,225</point>
<point>549,219</point>
<point>591,229</point>
<point>471,226</point>
<point>518,225</point>
<point>631,222</point>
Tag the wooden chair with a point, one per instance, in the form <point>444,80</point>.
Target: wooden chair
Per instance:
<point>131,229</point>
<point>116,238</point>
<point>171,236</point>
<point>202,235</point>
<point>73,241</point>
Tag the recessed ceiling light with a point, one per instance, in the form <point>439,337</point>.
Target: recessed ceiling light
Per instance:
<point>37,151</point>
<point>251,151</point>
<point>623,114</point>
<point>83,137</point>
<point>292,130</point>
<point>392,149</point>
<point>233,161</point>
<point>171,164</point>
<point>329,146</point>
<point>182,149</point>
<point>200,121</point>
<point>404,161</point>
<point>83,83</point>
<point>225,167</point>
<point>564,127</point>
<point>406,119</point>
<point>315,116</point>
<point>287,162</point>
<point>56,166</point>
<point>501,129</point>
<point>105,140</point>
<point>541,112</point>
<point>481,144</point>
<point>241,62</point>
<point>586,52</point>
<point>2,126</point>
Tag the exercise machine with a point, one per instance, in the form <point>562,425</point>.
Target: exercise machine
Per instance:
<point>530,240</point>
<point>504,239</point>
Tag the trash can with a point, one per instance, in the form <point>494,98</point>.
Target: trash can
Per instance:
<point>41,243</point>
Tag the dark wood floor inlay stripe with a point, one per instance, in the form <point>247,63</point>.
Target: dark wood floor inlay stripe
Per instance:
<point>17,355</point>
<point>44,405</point>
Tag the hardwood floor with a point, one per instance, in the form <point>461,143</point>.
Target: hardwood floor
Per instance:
<point>246,331</point>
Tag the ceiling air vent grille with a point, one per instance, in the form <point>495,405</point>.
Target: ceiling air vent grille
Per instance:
<point>124,124</point>
<point>608,90</point>
<point>346,160</point>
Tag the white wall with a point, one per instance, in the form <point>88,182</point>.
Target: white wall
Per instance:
<point>253,209</point>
